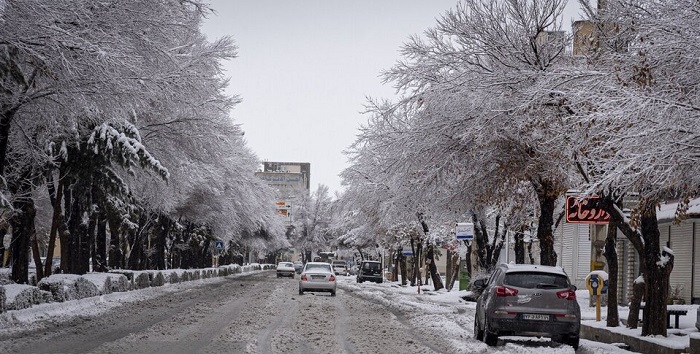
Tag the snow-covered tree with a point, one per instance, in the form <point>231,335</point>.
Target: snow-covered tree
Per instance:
<point>635,95</point>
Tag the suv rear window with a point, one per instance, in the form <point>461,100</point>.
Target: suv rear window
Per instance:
<point>371,265</point>
<point>536,280</point>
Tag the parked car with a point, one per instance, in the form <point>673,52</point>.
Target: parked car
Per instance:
<point>298,267</point>
<point>285,269</point>
<point>317,276</point>
<point>527,300</point>
<point>370,271</point>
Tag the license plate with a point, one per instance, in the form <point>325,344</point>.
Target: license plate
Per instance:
<point>318,277</point>
<point>536,317</point>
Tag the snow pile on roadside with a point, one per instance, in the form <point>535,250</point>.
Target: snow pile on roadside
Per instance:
<point>66,287</point>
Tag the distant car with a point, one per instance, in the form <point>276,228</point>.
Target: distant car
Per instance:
<point>298,267</point>
<point>527,300</point>
<point>317,276</point>
<point>370,271</point>
<point>339,269</point>
<point>285,269</point>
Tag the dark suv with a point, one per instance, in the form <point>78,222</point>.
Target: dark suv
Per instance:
<point>527,300</point>
<point>371,271</point>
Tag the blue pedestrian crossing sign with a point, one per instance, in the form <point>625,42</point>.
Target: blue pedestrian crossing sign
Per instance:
<point>219,245</point>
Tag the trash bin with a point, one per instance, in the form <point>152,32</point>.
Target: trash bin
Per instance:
<point>463,276</point>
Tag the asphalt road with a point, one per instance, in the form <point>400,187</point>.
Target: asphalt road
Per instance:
<point>257,313</point>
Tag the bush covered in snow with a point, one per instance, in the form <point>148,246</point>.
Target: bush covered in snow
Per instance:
<point>5,277</point>
<point>65,287</point>
<point>174,278</point>
<point>158,279</point>
<point>21,296</point>
<point>119,282</point>
<point>102,281</point>
<point>142,281</point>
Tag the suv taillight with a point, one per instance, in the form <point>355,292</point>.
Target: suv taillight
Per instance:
<point>567,294</point>
<point>506,291</point>
<point>332,278</point>
<point>303,277</point>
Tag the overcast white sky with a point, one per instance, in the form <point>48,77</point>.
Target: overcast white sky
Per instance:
<point>305,68</point>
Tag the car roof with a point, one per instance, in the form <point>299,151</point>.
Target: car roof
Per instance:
<point>324,263</point>
<point>512,267</point>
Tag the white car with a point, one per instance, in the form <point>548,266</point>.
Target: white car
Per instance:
<point>317,276</point>
<point>340,269</point>
<point>285,269</point>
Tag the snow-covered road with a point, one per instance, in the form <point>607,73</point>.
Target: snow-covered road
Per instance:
<point>258,313</point>
<point>252,314</point>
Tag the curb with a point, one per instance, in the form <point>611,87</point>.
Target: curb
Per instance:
<point>635,344</point>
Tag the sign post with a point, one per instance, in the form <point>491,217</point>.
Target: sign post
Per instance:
<point>464,231</point>
<point>218,247</point>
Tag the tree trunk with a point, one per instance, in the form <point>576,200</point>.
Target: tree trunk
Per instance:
<point>656,274</point>
<point>6,115</point>
<point>66,237</point>
<point>414,270</point>
<point>613,319</point>
<point>100,255</point>
<point>448,270</point>
<point>397,264</point>
<point>56,196</point>
<point>86,233</point>
<point>432,268</point>
<point>22,222</point>
<point>638,290</point>
<point>404,271</point>
<point>116,256</point>
<point>468,258</point>
<point>546,196</point>
<point>36,254</point>
<point>455,271</point>
<point>482,242</point>
<point>162,233</point>
<point>519,247</point>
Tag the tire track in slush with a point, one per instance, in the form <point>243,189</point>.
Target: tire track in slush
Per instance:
<point>283,316</point>
<point>341,326</point>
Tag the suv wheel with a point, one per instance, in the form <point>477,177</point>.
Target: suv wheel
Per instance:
<point>301,292</point>
<point>572,341</point>
<point>478,333</point>
<point>490,338</point>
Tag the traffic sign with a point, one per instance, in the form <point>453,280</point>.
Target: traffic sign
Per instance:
<point>219,245</point>
<point>464,231</point>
